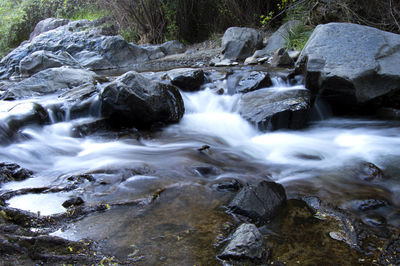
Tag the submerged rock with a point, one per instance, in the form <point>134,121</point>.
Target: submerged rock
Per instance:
<point>240,43</point>
<point>246,243</point>
<point>350,65</point>
<point>272,109</point>
<point>260,203</point>
<point>370,172</point>
<point>133,100</point>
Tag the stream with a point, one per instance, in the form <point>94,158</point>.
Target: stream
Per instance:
<point>329,160</point>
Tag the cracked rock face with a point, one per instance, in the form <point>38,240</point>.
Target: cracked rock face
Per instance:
<point>246,243</point>
<point>350,64</point>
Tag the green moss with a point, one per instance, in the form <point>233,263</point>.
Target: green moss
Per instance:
<point>88,13</point>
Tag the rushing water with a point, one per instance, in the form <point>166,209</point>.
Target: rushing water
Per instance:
<point>324,160</point>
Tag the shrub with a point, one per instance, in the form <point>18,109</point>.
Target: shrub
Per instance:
<point>19,17</point>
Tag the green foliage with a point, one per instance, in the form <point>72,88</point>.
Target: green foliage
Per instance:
<point>10,11</point>
<point>297,38</point>
<point>19,17</point>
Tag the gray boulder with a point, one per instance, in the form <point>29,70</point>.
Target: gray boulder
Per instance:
<point>281,58</point>
<point>41,60</point>
<point>172,47</point>
<point>350,64</point>
<point>84,43</point>
<point>240,43</point>
<point>246,243</point>
<point>49,81</point>
<point>272,109</point>
<point>259,203</point>
<point>133,100</point>
<point>277,40</point>
<point>187,79</point>
<point>46,25</point>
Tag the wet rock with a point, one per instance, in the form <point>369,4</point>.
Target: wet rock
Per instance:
<point>240,43</point>
<point>370,172</point>
<point>81,101</point>
<point>172,47</point>
<point>13,172</point>
<point>20,116</point>
<point>228,185</point>
<point>351,65</point>
<point>374,220</point>
<point>246,243</point>
<point>294,55</point>
<point>206,171</point>
<point>389,113</point>
<point>260,203</point>
<point>187,79</point>
<point>369,204</point>
<point>281,58</point>
<point>313,203</point>
<point>73,202</point>
<point>252,81</point>
<point>42,60</point>
<point>49,81</point>
<point>133,100</point>
<point>277,40</point>
<point>271,109</point>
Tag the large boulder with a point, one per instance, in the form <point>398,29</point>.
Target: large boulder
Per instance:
<point>49,81</point>
<point>272,109</point>
<point>277,39</point>
<point>240,43</point>
<point>82,42</point>
<point>350,64</point>
<point>259,203</point>
<point>246,243</point>
<point>133,100</point>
